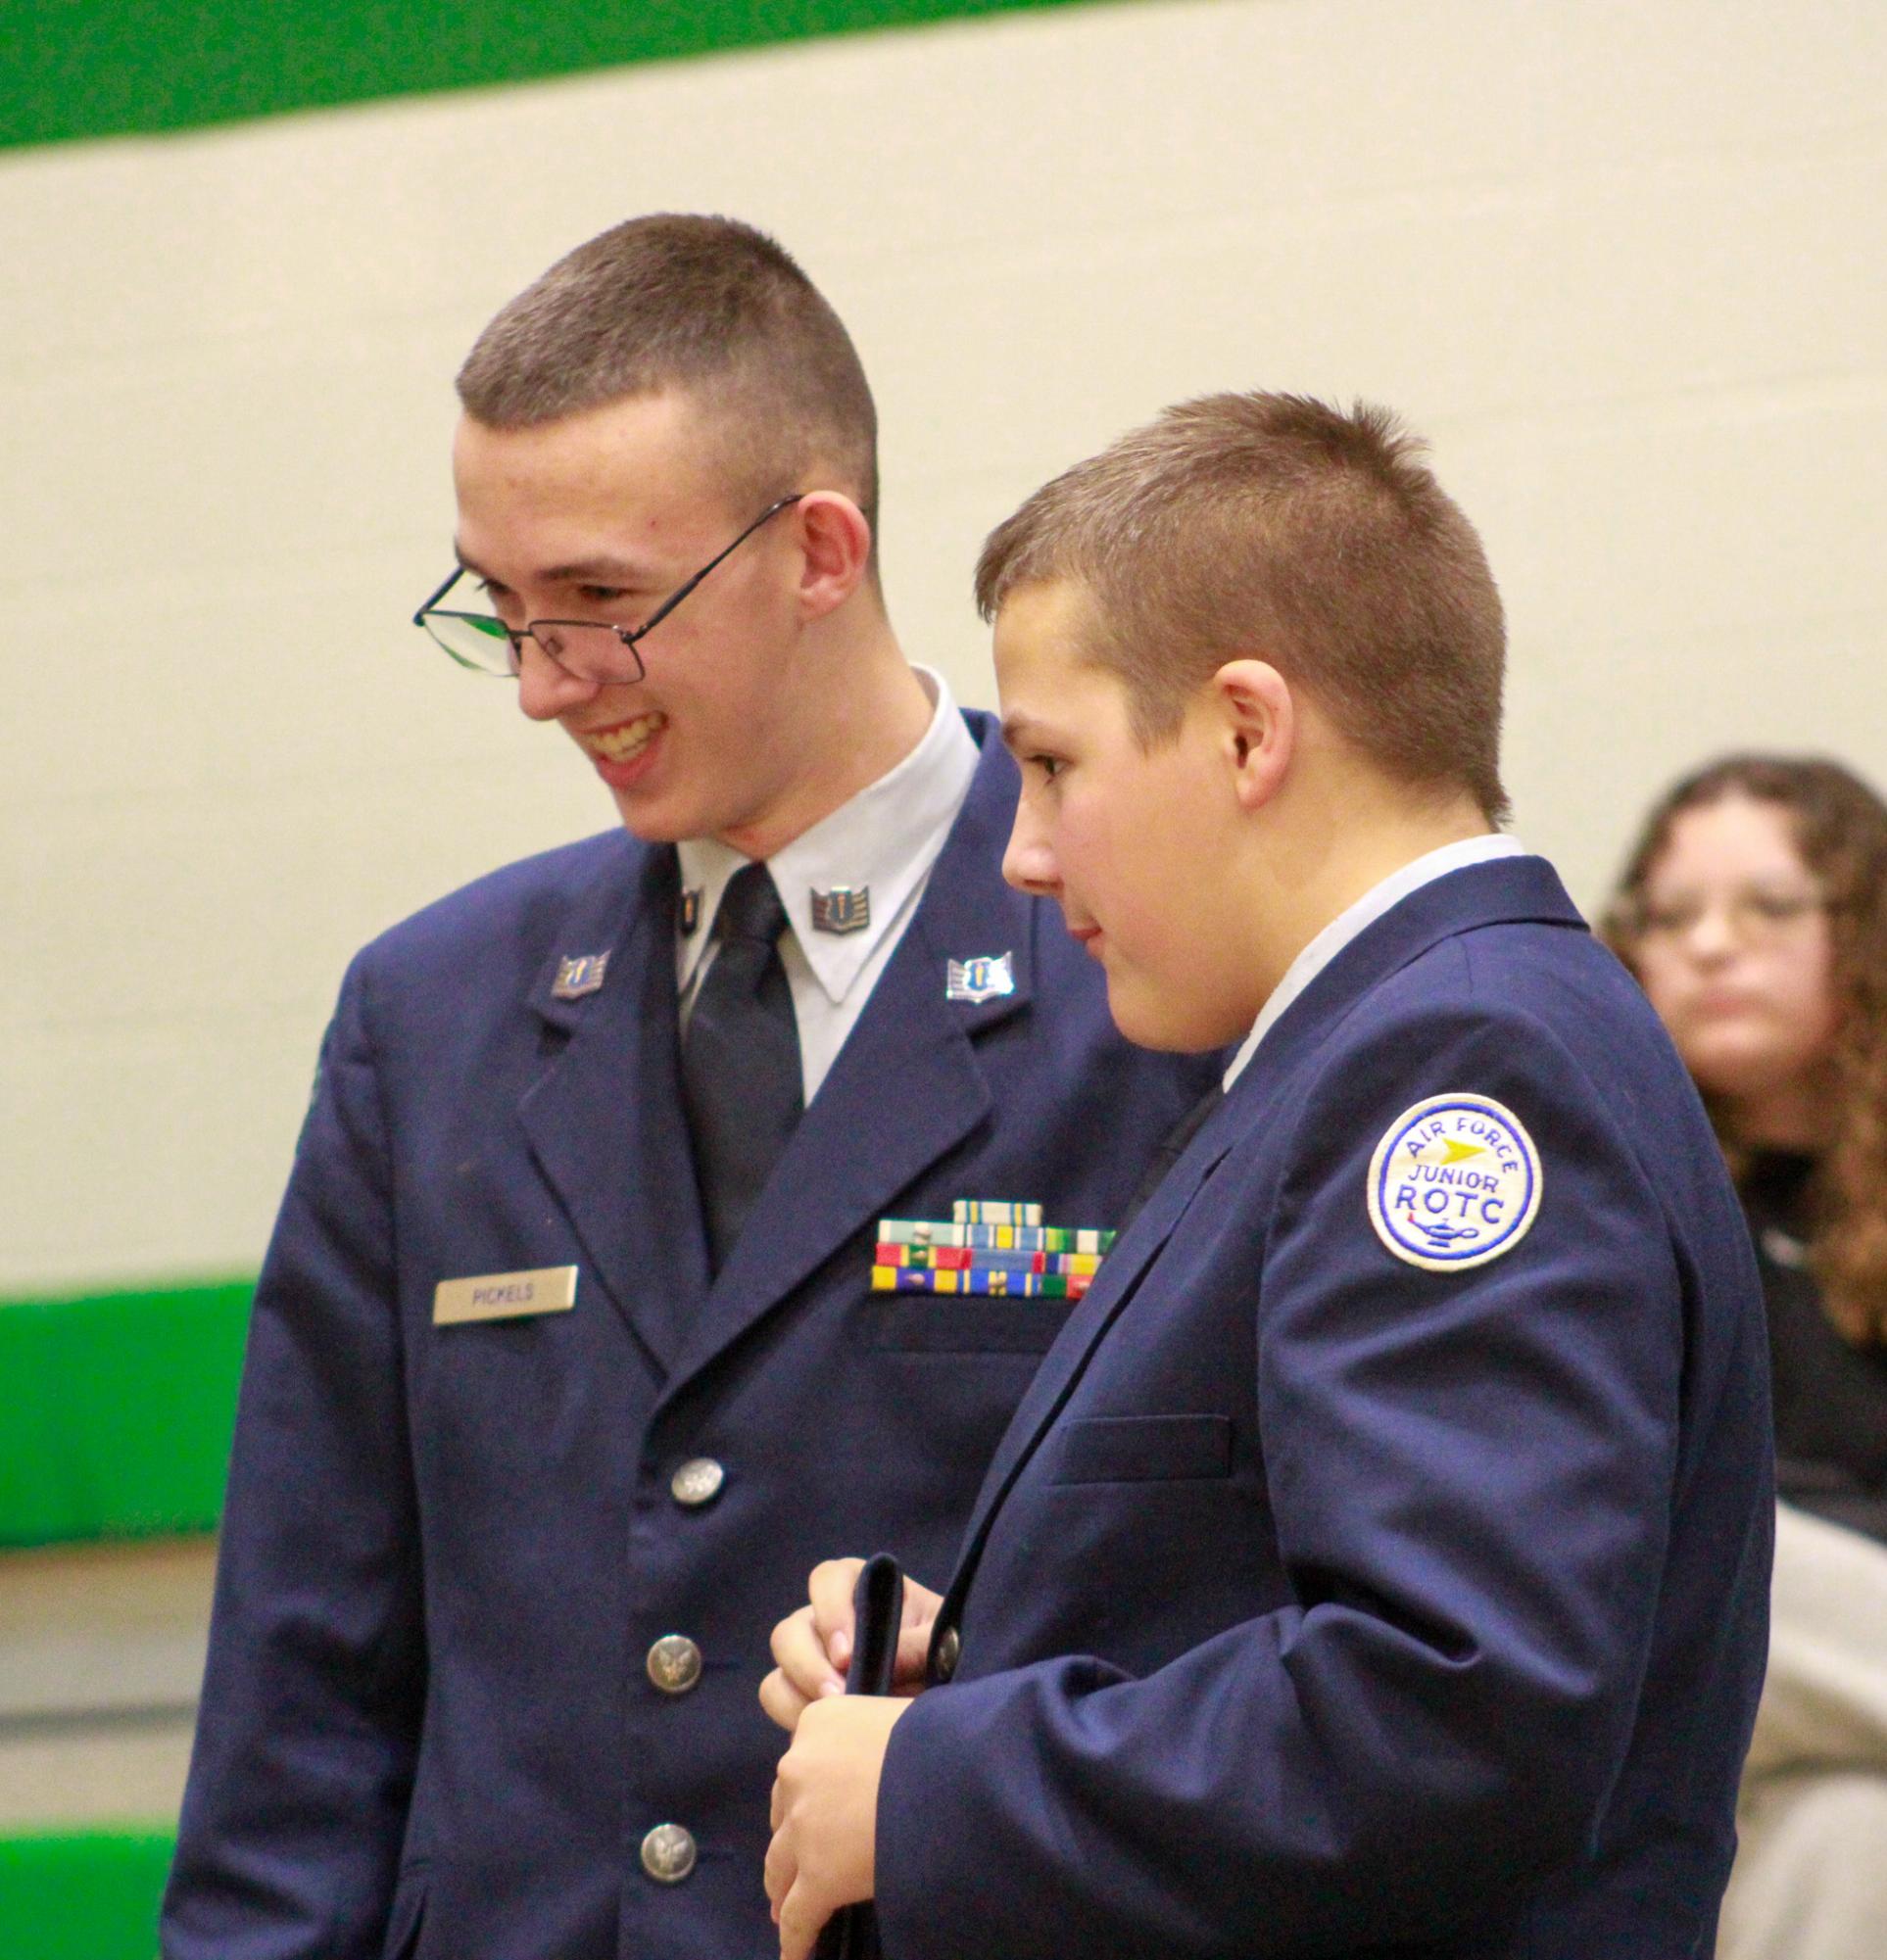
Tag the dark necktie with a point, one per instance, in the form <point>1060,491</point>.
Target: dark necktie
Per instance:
<point>741,1077</point>
<point>1171,1149</point>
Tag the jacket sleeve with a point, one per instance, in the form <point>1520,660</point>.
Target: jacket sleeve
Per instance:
<point>297,1798</point>
<point>1468,1477</point>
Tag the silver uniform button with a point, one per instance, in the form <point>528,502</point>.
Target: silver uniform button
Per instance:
<point>947,1651</point>
<point>698,1481</point>
<point>668,1854</point>
<point>674,1663</point>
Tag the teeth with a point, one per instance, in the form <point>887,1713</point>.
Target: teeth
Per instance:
<point>618,744</point>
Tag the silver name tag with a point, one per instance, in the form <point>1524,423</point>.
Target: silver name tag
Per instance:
<point>505,1296</point>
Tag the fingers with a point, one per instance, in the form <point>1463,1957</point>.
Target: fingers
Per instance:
<point>781,1867</point>
<point>801,1918</point>
<point>795,1911</point>
<point>812,1647</point>
<point>805,1671</point>
<point>920,1603</point>
<point>830,1589</point>
<point>783,1703</point>
<point>913,1656</point>
<point>921,1606</point>
<point>824,1814</point>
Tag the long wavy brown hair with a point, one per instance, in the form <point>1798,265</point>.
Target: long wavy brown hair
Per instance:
<point>1840,828</point>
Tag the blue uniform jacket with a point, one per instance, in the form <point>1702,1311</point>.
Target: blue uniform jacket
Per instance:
<point>1320,1603</point>
<point>427,1725</point>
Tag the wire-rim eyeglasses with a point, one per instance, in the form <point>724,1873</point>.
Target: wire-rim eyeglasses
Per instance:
<point>590,649</point>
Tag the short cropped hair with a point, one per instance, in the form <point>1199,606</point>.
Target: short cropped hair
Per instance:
<point>1279,527</point>
<point>705,304</point>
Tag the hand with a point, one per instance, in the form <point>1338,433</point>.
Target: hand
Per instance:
<point>813,1647</point>
<point>825,1815</point>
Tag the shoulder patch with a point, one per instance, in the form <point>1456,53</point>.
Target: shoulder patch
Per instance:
<point>1455,1183</point>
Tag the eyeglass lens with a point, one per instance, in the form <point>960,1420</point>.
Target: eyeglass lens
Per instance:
<point>1753,911</point>
<point>592,651</point>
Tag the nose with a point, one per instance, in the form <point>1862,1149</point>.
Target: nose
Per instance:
<point>546,691</point>
<point>1028,860</point>
<point>1711,935</point>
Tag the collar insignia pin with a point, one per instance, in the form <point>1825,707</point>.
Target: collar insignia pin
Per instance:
<point>688,912</point>
<point>846,908</point>
<point>578,973</point>
<point>980,980</point>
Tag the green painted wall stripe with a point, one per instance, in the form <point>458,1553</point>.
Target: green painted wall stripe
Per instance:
<point>118,1413</point>
<point>82,1896</point>
<point>103,67</point>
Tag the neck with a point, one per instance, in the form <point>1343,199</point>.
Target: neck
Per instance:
<point>1332,843</point>
<point>859,709</point>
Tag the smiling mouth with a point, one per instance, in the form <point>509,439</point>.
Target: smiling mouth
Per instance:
<point>629,739</point>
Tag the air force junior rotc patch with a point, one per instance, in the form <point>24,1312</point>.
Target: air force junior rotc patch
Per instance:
<point>1454,1182</point>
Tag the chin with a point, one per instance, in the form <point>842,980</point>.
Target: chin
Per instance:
<point>1172,1027</point>
<point>661,820</point>
<point>650,827</point>
<point>1740,1075</point>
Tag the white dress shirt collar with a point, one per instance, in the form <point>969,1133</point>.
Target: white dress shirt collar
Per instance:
<point>885,839</point>
<point>1354,919</point>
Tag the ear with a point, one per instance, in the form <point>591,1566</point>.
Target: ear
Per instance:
<point>836,541</point>
<point>1257,727</point>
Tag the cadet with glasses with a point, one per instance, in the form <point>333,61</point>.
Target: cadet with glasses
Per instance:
<point>1753,911</point>
<point>566,1359</point>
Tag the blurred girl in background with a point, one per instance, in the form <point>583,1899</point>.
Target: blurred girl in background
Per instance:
<point>1753,911</point>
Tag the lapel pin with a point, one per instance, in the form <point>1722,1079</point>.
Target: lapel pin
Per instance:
<point>688,912</point>
<point>981,980</point>
<point>846,908</point>
<point>578,973</point>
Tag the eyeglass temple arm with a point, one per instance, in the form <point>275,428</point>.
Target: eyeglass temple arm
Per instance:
<point>451,578</point>
<point>674,599</point>
<point>661,612</point>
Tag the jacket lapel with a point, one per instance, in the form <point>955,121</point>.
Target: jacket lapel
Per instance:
<point>1084,1331</point>
<point>1502,890</point>
<point>907,1085</point>
<point>605,1116</point>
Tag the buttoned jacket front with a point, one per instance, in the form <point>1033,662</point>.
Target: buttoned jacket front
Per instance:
<point>1320,1603</point>
<point>430,1723</point>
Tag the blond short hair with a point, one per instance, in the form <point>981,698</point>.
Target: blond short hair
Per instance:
<point>1280,527</point>
<point>704,305</point>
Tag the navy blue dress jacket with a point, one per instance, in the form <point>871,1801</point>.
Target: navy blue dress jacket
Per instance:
<point>1321,1601</point>
<point>427,1724</point>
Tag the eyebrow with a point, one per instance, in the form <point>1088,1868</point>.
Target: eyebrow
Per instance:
<point>1763,884</point>
<point>602,571</point>
<point>1018,729</point>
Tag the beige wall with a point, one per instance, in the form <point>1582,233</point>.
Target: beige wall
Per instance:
<point>1621,263</point>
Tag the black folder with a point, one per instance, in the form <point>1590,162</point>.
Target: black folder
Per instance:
<point>877,1607</point>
